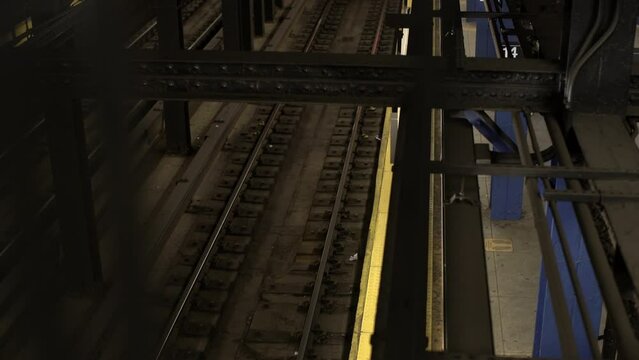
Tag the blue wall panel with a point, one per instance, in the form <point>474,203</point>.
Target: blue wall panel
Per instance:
<point>546,342</point>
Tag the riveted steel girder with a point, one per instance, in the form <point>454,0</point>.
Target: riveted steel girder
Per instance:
<point>321,78</point>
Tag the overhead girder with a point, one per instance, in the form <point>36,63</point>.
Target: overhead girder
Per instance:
<point>321,78</point>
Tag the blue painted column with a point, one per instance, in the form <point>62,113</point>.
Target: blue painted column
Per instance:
<point>546,344</point>
<point>506,192</point>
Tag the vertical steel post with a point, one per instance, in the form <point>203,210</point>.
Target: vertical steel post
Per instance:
<point>401,315</point>
<point>269,10</point>
<point>506,192</point>
<point>258,17</point>
<point>238,24</point>
<point>176,113</point>
<point>74,199</point>
<point>128,270</point>
<point>400,325</point>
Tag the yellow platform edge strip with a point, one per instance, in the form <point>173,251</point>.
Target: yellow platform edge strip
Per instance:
<point>372,268</point>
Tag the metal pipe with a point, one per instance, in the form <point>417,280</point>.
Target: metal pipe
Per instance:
<point>629,347</point>
<point>557,297</point>
<point>532,171</point>
<point>565,247</point>
<point>593,30</point>
<point>589,196</point>
<point>576,68</point>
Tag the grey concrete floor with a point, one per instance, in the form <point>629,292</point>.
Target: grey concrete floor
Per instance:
<point>513,260</point>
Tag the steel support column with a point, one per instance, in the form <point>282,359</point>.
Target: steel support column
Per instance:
<point>506,192</point>
<point>258,17</point>
<point>468,319</point>
<point>74,199</point>
<point>269,10</point>
<point>176,113</point>
<point>400,325</point>
<point>238,25</point>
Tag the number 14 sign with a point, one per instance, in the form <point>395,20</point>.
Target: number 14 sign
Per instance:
<point>511,52</point>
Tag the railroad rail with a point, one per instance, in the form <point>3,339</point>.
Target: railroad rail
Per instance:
<point>147,37</point>
<point>336,211</point>
<point>214,251</point>
<point>233,200</point>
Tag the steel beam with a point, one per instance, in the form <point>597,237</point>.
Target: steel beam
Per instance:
<point>74,199</point>
<point>177,127</point>
<point>176,113</point>
<point>324,78</point>
<point>169,25</point>
<point>269,10</point>
<point>258,17</point>
<point>584,173</point>
<point>400,324</point>
<point>468,319</point>
<point>593,197</point>
<point>238,25</point>
<point>452,34</point>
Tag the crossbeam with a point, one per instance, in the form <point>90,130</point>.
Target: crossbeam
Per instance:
<point>293,77</point>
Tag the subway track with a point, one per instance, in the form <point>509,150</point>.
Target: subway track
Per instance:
<point>196,15</point>
<point>214,112</point>
<point>302,306</point>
